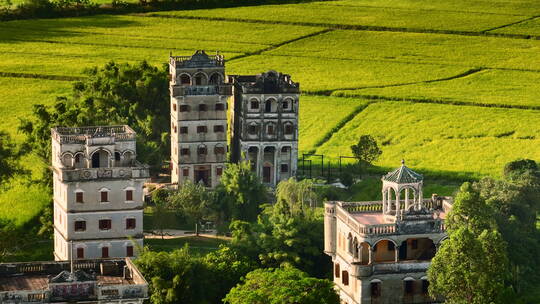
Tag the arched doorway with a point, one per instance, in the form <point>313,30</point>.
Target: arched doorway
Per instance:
<point>100,159</point>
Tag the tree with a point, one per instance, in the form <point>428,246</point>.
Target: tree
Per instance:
<point>173,277</point>
<point>240,193</point>
<point>161,216</point>
<point>366,150</point>
<point>282,285</point>
<point>286,233</point>
<point>9,239</point>
<point>9,157</point>
<point>136,95</point>
<point>225,268</point>
<point>471,266</point>
<point>194,201</point>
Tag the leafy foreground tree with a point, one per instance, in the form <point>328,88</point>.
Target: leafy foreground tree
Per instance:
<point>181,278</point>
<point>282,285</point>
<point>366,151</point>
<point>9,157</point>
<point>193,200</point>
<point>136,95</point>
<point>287,233</point>
<point>240,193</point>
<point>490,256</point>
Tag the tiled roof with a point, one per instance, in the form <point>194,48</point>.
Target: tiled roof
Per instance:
<point>403,175</point>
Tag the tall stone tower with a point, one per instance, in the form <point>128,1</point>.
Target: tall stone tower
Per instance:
<point>198,118</point>
<point>98,192</point>
<point>265,124</point>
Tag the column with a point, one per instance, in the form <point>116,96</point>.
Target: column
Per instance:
<point>276,169</point>
<point>406,198</point>
<point>384,193</point>
<point>396,248</point>
<point>370,255</point>
<point>398,194</point>
<point>420,199</point>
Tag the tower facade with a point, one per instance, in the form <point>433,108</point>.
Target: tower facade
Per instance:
<point>381,250</point>
<point>198,118</point>
<point>98,192</point>
<point>264,124</point>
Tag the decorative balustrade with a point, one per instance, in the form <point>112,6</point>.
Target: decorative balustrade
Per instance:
<point>178,90</point>
<point>82,135</point>
<point>216,60</point>
<point>69,175</point>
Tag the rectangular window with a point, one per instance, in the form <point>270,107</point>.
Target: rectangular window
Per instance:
<point>219,128</point>
<point>184,151</point>
<point>130,223</point>
<point>80,253</point>
<point>174,107</point>
<point>183,130</point>
<point>80,225</point>
<point>129,251</point>
<point>220,107</point>
<point>375,289</point>
<point>271,129</point>
<point>104,196</point>
<point>345,278</point>
<point>104,224</point>
<point>285,105</point>
<point>219,171</point>
<point>185,172</point>
<point>129,195</point>
<point>203,108</point>
<point>336,270</point>
<point>202,129</point>
<point>252,129</point>
<point>184,108</point>
<point>79,197</point>
<point>284,168</point>
<point>409,287</point>
<point>104,252</point>
<point>288,129</point>
<point>414,244</point>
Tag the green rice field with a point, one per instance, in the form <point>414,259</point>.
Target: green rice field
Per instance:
<point>450,86</point>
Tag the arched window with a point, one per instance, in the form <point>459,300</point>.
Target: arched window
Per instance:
<point>79,160</point>
<point>117,156</point>
<point>214,79</point>
<point>185,79</point>
<point>288,129</point>
<point>285,149</point>
<point>253,129</point>
<point>201,150</point>
<point>203,107</point>
<point>254,104</point>
<point>100,159</point>
<point>219,149</point>
<point>270,129</point>
<point>67,160</point>
<point>375,288</point>
<point>268,105</point>
<point>200,79</point>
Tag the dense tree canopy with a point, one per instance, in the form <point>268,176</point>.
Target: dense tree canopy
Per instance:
<point>135,95</point>
<point>286,233</point>
<point>194,201</point>
<point>240,193</point>
<point>493,241</point>
<point>9,157</point>
<point>282,285</point>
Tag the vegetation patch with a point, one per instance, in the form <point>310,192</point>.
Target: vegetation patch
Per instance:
<point>22,202</point>
<point>198,245</point>
<point>442,140</point>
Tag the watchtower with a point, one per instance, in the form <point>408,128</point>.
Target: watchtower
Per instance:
<point>98,192</point>
<point>198,117</point>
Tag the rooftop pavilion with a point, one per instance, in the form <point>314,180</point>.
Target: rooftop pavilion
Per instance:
<point>197,60</point>
<point>114,280</point>
<point>85,135</point>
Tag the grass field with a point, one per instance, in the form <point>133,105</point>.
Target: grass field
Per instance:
<point>22,202</point>
<point>198,245</point>
<point>370,50</point>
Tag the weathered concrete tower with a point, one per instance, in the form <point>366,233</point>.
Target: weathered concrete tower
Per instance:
<point>198,118</point>
<point>265,124</point>
<point>98,192</point>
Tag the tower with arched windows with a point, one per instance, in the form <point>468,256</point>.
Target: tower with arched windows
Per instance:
<point>381,249</point>
<point>198,118</point>
<point>264,124</point>
<point>98,192</point>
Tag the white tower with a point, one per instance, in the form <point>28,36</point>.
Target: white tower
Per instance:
<point>98,192</point>
<point>198,118</point>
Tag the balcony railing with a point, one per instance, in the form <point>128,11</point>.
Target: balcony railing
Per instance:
<point>178,90</point>
<point>82,135</point>
<point>383,268</point>
<point>69,175</point>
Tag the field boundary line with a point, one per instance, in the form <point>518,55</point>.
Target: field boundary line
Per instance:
<point>349,26</point>
<point>460,75</point>
<point>328,135</point>
<point>513,23</point>
<point>438,101</point>
<point>40,76</point>
<point>275,46</point>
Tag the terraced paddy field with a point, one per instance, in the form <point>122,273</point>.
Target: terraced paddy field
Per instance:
<point>451,86</point>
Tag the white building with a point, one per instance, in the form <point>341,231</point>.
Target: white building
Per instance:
<point>98,192</point>
<point>264,127</point>
<point>382,250</point>
<point>198,118</point>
